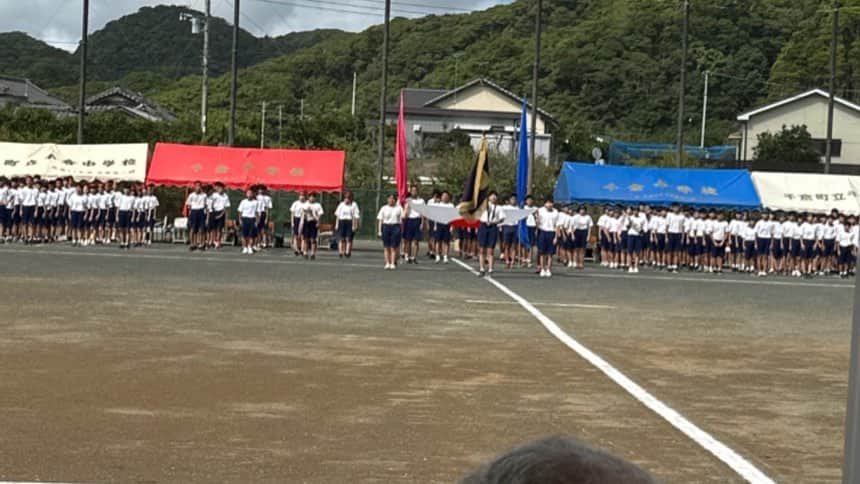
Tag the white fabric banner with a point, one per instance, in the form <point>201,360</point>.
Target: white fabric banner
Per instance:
<point>808,192</point>
<point>446,215</point>
<point>122,162</point>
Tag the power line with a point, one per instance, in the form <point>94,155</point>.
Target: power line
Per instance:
<point>341,7</point>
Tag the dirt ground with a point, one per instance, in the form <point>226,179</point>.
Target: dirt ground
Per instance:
<point>165,366</point>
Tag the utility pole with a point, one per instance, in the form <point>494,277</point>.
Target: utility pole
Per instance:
<point>263,127</point>
<point>354,86</point>
<point>82,95</point>
<point>705,110</point>
<point>828,149</point>
<point>280,125</point>
<point>535,74</point>
<point>683,88</point>
<point>231,132</point>
<point>383,94</point>
<point>204,99</point>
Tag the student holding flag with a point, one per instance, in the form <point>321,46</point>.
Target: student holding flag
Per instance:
<point>488,233</point>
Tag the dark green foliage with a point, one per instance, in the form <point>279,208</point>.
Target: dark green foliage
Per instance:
<point>790,145</point>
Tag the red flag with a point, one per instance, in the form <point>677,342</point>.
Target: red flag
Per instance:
<point>400,155</point>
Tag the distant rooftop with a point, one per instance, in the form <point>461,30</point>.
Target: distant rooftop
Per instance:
<point>29,93</point>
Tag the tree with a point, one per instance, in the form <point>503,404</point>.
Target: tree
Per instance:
<point>790,145</point>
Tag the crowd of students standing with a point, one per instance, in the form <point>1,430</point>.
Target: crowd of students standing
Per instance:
<point>34,210</point>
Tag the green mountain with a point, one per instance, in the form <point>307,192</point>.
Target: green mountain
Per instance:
<point>609,67</point>
<point>24,56</point>
<point>151,43</point>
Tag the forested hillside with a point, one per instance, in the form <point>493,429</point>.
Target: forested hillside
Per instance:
<point>609,67</point>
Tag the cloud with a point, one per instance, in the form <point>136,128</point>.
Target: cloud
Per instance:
<point>59,21</point>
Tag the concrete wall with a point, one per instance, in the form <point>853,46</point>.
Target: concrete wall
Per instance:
<point>812,112</point>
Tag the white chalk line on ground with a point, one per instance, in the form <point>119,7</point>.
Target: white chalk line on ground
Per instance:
<point>552,305</point>
<point>741,466</point>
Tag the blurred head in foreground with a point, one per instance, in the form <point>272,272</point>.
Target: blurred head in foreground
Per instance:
<point>558,460</point>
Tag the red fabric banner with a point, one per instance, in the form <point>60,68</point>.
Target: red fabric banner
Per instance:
<point>400,155</point>
<point>290,170</point>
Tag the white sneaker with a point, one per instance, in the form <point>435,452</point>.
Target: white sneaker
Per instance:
<point>445,259</point>
<point>630,271</point>
<point>438,259</point>
<point>543,273</point>
<point>548,273</point>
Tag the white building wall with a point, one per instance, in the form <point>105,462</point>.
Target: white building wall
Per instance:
<point>812,112</point>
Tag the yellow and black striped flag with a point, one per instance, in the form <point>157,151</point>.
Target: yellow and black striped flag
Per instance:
<point>477,187</point>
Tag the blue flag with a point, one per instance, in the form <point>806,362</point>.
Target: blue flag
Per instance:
<point>523,174</point>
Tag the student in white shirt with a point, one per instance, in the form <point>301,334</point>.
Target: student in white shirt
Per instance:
<point>582,224</point>
<point>196,204</point>
<point>388,219</point>
<point>659,238</point>
<point>564,247</point>
<point>602,238</point>
<point>443,231</point>
<point>527,250</point>
<point>675,237</point>
<point>249,215</point>
<point>313,212</point>
<point>764,234</point>
<point>264,238</point>
<point>510,227</point>
<point>845,249</point>
<point>92,215</point>
<point>488,234</point>
<point>638,221</point>
<point>719,239</point>
<point>219,203</point>
<point>4,212</point>
<point>151,205</point>
<point>808,243</point>
<point>297,210</point>
<point>748,236</point>
<point>41,212</point>
<point>828,245</point>
<point>124,207</point>
<point>547,236</point>
<point>412,227</point>
<point>27,195</point>
<point>77,212</point>
<point>347,218</point>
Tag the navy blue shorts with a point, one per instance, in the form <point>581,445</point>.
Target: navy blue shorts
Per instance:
<point>567,241</point>
<point>718,251</point>
<point>829,246</point>
<point>249,227</point>
<point>4,215</point>
<point>580,238</point>
<point>694,246</point>
<point>795,248</point>
<point>660,242</point>
<point>217,220</point>
<point>197,220</point>
<point>391,236</point>
<point>605,243</point>
<point>297,223</point>
<point>442,233</point>
<point>28,214</point>
<point>807,251</point>
<point>634,244</point>
<point>263,224</point>
<point>777,249</point>
<point>102,218</point>
<point>124,219</point>
<point>749,249</point>
<point>9,219</point>
<point>846,255</point>
<point>412,229</point>
<point>674,243</point>
<point>545,242</point>
<point>763,246</point>
<point>487,236</point>
<point>532,235</point>
<point>77,220</point>
<point>509,234</point>
<point>310,230</point>
<point>344,230</point>
<point>623,242</point>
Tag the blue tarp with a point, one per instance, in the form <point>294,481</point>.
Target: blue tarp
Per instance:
<point>621,153</point>
<point>588,183</point>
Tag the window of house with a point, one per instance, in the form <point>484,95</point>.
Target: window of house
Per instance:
<point>835,147</point>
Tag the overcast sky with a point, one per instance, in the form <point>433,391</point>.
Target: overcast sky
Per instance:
<point>58,21</point>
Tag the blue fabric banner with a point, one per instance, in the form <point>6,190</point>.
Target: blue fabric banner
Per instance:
<point>523,175</point>
<point>588,183</point>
